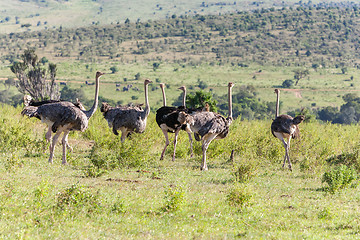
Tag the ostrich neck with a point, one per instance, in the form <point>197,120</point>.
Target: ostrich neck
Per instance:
<point>96,100</point>
<point>164,96</point>
<point>147,106</point>
<point>184,98</point>
<point>277,104</point>
<point>230,102</point>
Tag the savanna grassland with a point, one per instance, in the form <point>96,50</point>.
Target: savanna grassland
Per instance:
<point>114,190</point>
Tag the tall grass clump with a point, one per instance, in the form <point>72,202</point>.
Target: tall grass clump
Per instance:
<point>109,152</point>
<point>174,199</point>
<point>75,200</point>
<point>17,133</point>
<point>244,171</point>
<point>340,178</point>
<point>239,196</point>
<point>350,159</point>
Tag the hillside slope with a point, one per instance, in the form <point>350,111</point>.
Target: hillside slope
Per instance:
<point>304,36</point>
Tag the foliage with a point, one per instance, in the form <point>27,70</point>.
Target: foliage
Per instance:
<point>287,83</point>
<point>174,199</point>
<point>199,99</point>
<point>245,171</point>
<point>350,159</point>
<point>75,198</point>
<point>71,95</point>
<point>326,214</point>
<point>239,196</point>
<point>339,178</point>
<point>246,105</point>
<point>309,34</point>
<point>33,77</point>
<point>299,74</point>
<point>349,112</point>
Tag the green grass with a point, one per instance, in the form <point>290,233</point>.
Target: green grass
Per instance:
<point>39,200</point>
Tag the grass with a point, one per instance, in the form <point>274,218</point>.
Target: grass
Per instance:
<point>163,199</point>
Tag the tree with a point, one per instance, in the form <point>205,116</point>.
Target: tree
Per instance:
<point>199,98</point>
<point>9,82</point>
<point>32,77</point>
<point>287,83</point>
<point>299,74</point>
<point>114,69</point>
<point>156,66</point>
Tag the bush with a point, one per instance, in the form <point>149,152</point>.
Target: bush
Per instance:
<point>244,172</point>
<point>339,178</point>
<point>75,199</point>
<point>175,199</point>
<point>288,83</point>
<point>239,196</point>
<point>349,159</point>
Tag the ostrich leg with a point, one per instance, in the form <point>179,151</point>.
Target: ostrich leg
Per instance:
<point>191,145</point>
<point>175,141</point>
<point>65,145</point>
<point>52,146</point>
<point>166,143</point>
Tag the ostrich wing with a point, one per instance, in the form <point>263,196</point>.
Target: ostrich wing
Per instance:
<point>131,119</point>
<point>63,113</point>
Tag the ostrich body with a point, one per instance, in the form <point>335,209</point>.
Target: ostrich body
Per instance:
<point>208,126</point>
<point>285,127</point>
<point>173,119</point>
<point>63,117</point>
<point>127,119</point>
<point>28,101</point>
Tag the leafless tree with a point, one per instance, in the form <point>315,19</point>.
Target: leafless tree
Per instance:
<point>32,77</point>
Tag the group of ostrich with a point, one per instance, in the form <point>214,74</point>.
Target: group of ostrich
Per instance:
<point>63,117</point>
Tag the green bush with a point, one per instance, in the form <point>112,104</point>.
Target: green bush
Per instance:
<point>239,196</point>
<point>174,199</point>
<point>349,159</point>
<point>75,199</point>
<point>339,178</point>
<point>245,171</point>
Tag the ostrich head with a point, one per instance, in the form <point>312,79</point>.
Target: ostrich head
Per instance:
<point>147,81</point>
<point>105,107</point>
<point>183,88</point>
<point>277,91</point>
<point>99,74</point>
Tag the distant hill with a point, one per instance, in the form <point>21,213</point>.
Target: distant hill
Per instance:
<point>320,36</point>
<point>34,15</point>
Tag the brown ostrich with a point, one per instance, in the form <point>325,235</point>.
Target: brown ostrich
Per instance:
<point>63,117</point>
<point>208,126</point>
<point>127,119</point>
<point>285,127</point>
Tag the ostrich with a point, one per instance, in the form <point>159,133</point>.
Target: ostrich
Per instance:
<point>208,126</point>
<point>173,119</point>
<point>63,117</point>
<point>127,119</point>
<point>28,101</point>
<point>285,127</point>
